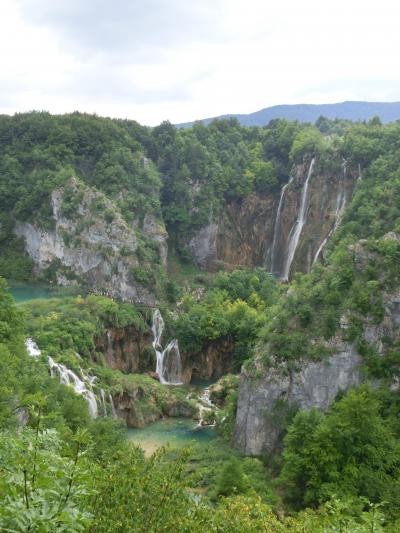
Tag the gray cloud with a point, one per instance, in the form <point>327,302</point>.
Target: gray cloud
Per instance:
<point>182,59</point>
<point>128,29</point>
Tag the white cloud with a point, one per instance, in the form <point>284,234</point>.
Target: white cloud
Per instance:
<point>183,60</point>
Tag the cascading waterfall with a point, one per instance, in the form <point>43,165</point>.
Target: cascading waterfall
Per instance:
<point>169,365</point>
<point>113,410</point>
<point>84,388</point>
<point>278,228</point>
<point>295,232</point>
<point>359,173</point>
<point>32,348</point>
<point>205,406</point>
<point>103,401</point>
<point>107,399</point>
<point>340,207</point>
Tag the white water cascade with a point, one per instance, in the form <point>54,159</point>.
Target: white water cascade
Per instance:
<point>32,348</point>
<point>278,228</point>
<point>205,406</point>
<point>82,387</point>
<point>113,410</point>
<point>340,207</point>
<point>296,230</point>
<point>107,399</point>
<point>169,364</point>
<point>103,401</point>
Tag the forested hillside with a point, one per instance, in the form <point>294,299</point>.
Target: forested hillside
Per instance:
<point>272,255</point>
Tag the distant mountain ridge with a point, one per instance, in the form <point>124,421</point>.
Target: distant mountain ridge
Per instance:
<point>351,110</point>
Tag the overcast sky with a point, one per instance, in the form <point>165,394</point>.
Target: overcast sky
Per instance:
<point>152,60</point>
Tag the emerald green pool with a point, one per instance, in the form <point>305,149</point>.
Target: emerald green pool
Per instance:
<point>23,292</point>
<point>177,432</point>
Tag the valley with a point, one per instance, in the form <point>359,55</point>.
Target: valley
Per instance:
<point>203,324</point>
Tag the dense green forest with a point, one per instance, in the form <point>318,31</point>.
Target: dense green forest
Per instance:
<point>63,470</point>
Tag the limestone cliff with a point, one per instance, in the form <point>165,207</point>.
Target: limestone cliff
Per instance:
<point>257,231</point>
<point>145,401</point>
<point>262,391</point>
<point>212,363</point>
<point>92,245</point>
<point>127,349</point>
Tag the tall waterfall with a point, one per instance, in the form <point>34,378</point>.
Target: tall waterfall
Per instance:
<point>278,229</point>
<point>169,365</point>
<point>295,232</point>
<point>340,207</point>
<point>82,387</point>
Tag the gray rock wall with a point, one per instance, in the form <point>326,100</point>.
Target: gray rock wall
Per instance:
<point>315,385</point>
<point>87,248</point>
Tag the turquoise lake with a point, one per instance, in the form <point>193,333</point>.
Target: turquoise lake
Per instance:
<point>24,292</point>
<point>176,432</point>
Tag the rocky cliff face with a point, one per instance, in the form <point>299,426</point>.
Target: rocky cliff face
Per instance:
<point>262,392</point>
<point>257,231</point>
<point>91,246</point>
<point>127,350</point>
<point>212,363</point>
<point>140,405</point>
<point>131,352</point>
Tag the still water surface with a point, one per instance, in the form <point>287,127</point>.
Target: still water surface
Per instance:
<point>177,432</point>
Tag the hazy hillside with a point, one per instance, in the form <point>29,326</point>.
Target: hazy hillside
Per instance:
<point>387,111</point>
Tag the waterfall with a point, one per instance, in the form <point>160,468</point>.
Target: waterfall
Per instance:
<point>113,410</point>
<point>278,229</point>
<point>359,172</point>
<point>68,377</point>
<point>157,328</point>
<point>205,406</point>
<point>169,365</point>
<point>108,400</point>
<point>103,401</point>
<point>340,207</point>
<point>295,232</point>
<point>32,348</point>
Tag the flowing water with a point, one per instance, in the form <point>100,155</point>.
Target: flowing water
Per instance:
<point>275,268</point>
<point>205,407</point>
<point>32,348</point>
<point>295,233</point>
<point>83,386</point>
<point>177,432</point>
<point>341,201</point>
<point>169,364</point>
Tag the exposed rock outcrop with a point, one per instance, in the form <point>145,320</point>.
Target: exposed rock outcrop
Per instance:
<point>140,405</point>
<point>90,245</point>
<point>261,391</point>
<point>243,233</point>
<point>127,350</point>
<point>212,363</point>
<point>316,385</point>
